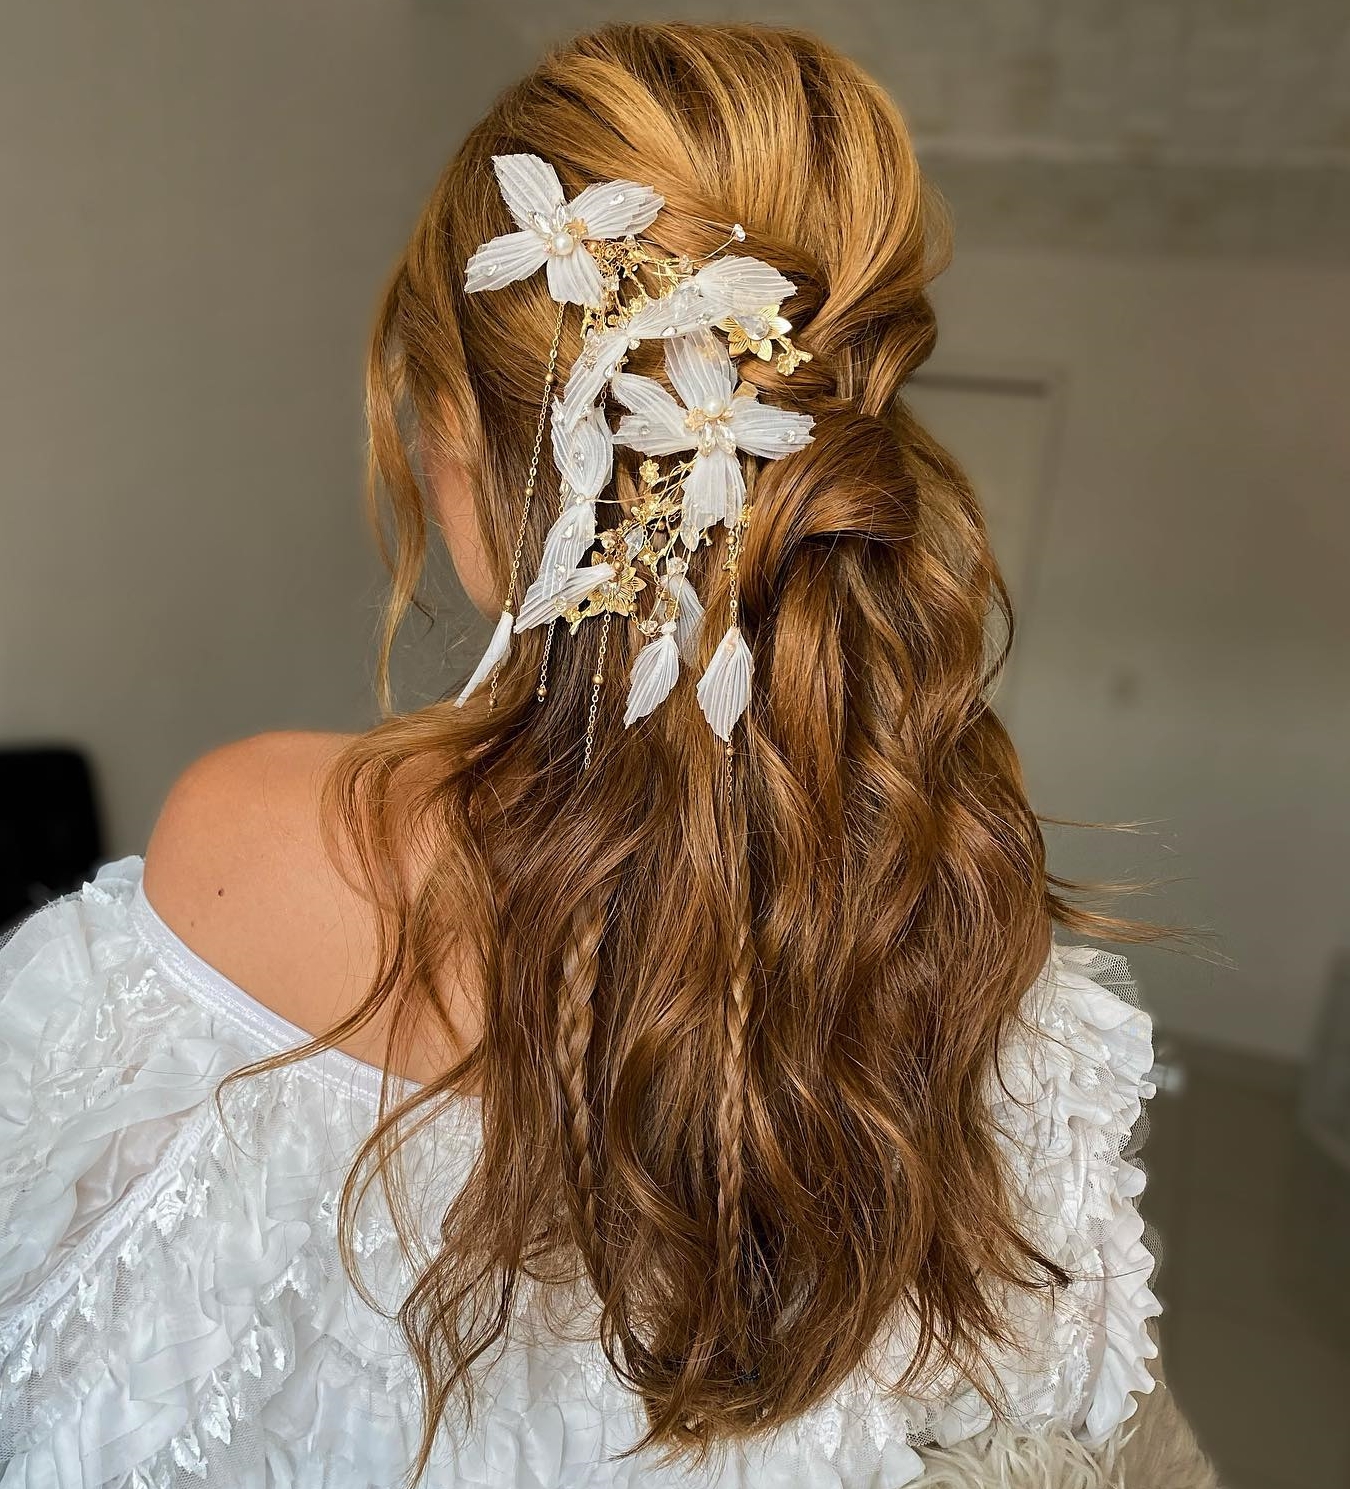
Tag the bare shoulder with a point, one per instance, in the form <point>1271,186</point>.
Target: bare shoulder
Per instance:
<point>238,868</point>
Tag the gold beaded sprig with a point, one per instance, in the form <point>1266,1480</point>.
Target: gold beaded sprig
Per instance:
<point>597,682</point>
<point>550,375</point>
<point>541,690</point>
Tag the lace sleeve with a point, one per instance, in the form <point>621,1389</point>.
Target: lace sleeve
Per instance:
<point>103,1075</point>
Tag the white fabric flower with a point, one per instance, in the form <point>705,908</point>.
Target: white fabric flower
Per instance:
<point>715,422</point>
<point>555,231</point>
<point>736,287</point>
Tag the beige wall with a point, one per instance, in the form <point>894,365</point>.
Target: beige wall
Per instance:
<point>1185,653</point>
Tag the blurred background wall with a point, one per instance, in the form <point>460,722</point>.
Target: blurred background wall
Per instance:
<point>198,207</point>
<point>1144,362</point>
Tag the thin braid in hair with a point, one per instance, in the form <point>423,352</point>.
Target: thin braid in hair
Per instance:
<point>731,1108</point>
<point>580,975</point>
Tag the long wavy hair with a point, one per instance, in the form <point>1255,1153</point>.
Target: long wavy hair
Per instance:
<point>736,1046</point>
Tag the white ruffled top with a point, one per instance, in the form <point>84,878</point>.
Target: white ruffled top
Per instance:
<point>174,1312</point>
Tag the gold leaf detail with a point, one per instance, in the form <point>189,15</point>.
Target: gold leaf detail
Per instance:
<point>791,358</point>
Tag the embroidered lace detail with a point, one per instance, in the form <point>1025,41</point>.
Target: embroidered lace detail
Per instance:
<point>173,1310</point>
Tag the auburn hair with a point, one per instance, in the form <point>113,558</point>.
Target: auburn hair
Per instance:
<point>736,1045</point>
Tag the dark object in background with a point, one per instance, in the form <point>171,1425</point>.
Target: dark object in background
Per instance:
<point>50,837</point>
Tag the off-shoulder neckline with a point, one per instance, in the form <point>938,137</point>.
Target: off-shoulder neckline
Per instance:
<point>236,1004</point>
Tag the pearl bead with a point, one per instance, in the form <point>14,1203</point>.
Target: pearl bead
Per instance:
<point>715,408</point>
<point>562,243</point>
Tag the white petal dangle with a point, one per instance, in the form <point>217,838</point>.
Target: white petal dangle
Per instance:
<point>602,354</point>
<point>504,260</point>
<point>654,674</point>
<point>498,649</point>
<point>737,284</point>
<point>538,607</point>
<point>583,451</point>
<point>701,371</point>
<point>724,688</point>
<point>567,543</point>
<point>769,432</point>
<point>613,209</point>
<point>714,491</point>
<point>656,425</point>
<point>574,277</point>
<point>530,188</point>
<point>688,615</point>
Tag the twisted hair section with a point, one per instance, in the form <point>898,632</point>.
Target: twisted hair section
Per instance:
<point>734,1059</point>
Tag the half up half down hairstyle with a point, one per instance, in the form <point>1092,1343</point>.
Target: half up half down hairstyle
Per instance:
<point>736,1045</point>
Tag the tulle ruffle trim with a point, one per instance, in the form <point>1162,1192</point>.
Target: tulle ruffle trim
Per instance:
<point>1072,1092</point>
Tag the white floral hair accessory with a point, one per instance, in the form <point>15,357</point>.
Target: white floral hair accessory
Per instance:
<point>555,231</point>
<point>629,295</point>
<point>717,419</point>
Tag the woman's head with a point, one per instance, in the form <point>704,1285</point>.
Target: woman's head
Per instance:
<point>729,125</point>
<point>736,1042</point>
